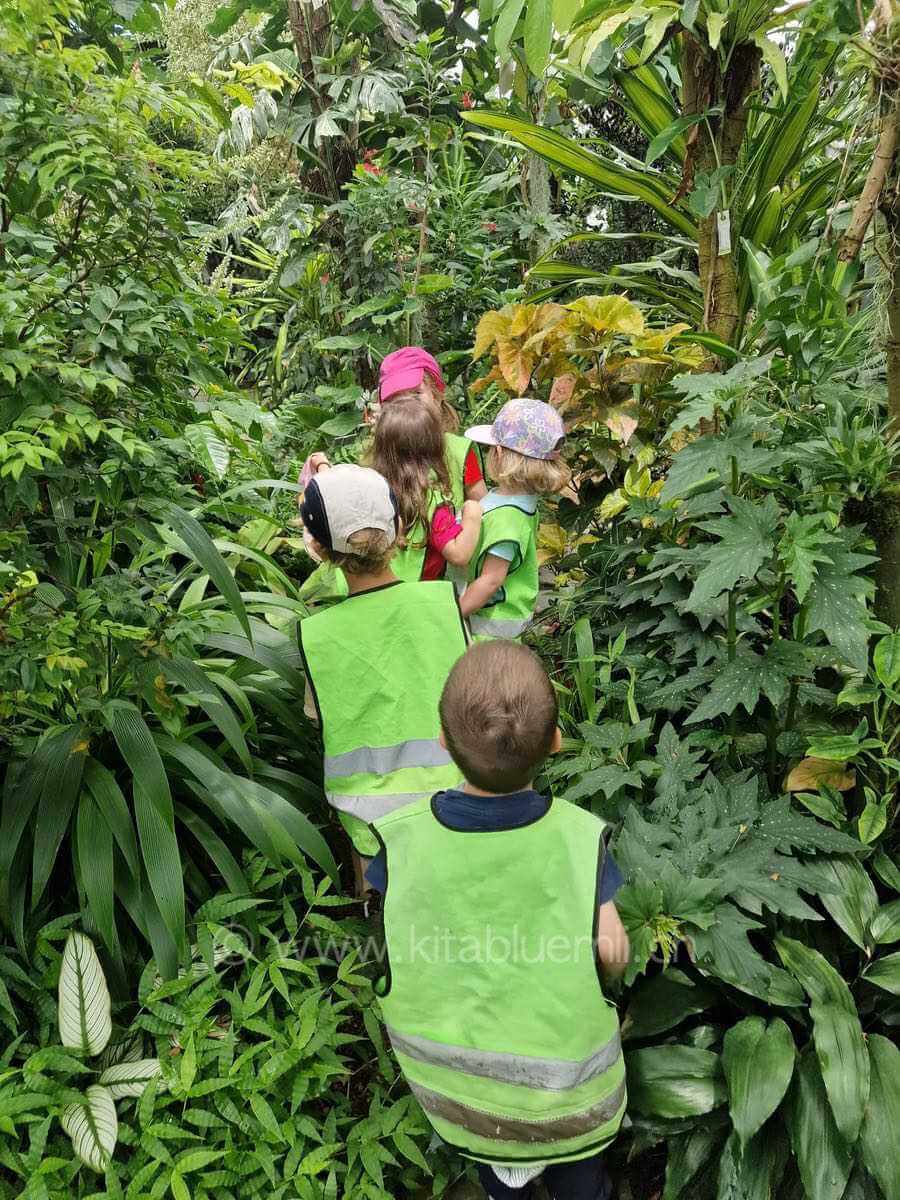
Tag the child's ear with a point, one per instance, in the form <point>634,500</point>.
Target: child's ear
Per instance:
<point>556,743</point>
<point>443,740</point>
<point>371,413</point>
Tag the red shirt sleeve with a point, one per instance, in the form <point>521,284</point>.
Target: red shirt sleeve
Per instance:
<point>444,527</point>
<point>472,472</point>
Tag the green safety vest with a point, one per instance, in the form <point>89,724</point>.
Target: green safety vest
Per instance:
<point>327,583</point>
<point>492,996</point>
<point>508,614</point>
<point>377,663</point>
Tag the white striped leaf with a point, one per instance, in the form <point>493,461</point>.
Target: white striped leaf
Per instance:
<point>85,1023</point>
<point>130,1078</point>
<point>93,1127</point>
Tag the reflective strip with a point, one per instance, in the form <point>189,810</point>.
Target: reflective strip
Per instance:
<point>499,1128</point>
<point>507,629</point>
<point>381,760</point>
<point>548,1074</point>
<point>371,808</point>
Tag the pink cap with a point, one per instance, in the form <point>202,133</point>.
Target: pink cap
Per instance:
<point>402,371</point>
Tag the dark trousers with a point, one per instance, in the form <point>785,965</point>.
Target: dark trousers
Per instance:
<point>586,1179</point>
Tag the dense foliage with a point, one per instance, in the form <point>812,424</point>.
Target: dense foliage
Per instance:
<point>215,219</point>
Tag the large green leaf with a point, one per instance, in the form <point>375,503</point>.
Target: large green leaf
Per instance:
<point>758,1061</point>
<point>225,862</point>
<point>92,1125</point>
<point>107,794</point>
<point>746,1172</point>
<point>155,818</point>
<point>854,900</point>
<point>85,1023</point>
<point>885,925</point>
<point>823,1157</point>
<point>201,546</point>
<point>194,680</point>
<point>674,1081</point>
<point>885,973</point>
<point>663,1002</point>
<point>567,155</point>
<point>94,854</point>
<point>505,26</point>
<point>746,540</point>
<point>837,1033</point>
<point>878,1136</point>
<point>538,35</point>
<point>59,792</point>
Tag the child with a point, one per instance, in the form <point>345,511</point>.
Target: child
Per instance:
<point>499,919</point>
<point>408,451</point>
<point>524,463</point>
<point>412,373</point>
<point>376,661</point>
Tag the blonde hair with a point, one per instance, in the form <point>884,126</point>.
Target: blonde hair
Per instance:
<point>498,714</point>
<point>408,450</point>
<point>537,476</point>
<point>372,552</point>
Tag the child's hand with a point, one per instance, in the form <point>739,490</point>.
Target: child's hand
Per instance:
<point>471,511</point>
<point>317,461</point>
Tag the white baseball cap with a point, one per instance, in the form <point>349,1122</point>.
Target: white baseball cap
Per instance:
<point>345,499</point>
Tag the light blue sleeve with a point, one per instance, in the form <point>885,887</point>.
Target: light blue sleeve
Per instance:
<point>507,550</point>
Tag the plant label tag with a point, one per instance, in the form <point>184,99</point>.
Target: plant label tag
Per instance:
<point>723,229</point>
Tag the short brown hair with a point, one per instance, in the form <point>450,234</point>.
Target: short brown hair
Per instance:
<point>498,714</point>
<point>537,476</point>
<point>371,553</point>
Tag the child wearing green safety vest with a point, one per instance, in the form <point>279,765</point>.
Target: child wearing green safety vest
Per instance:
<point>500,928</point>
<point>377,660</point>
<point>524,463</point>
<point>452,475</point>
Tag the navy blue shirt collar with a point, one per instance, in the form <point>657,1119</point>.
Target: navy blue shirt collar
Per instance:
<point>487,814</point>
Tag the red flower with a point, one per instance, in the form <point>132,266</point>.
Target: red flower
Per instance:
<point>467,101</point>
<point>372,168</point>
<point>369,154</point>
<point>490,226</point>
<point>325,278</point>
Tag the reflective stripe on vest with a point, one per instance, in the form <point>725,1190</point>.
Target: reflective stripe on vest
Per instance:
<point>481,626</point>
<point>373,808</point>
<point>381,760</point>
<point>377,663</point>
<point>549,1074</point>
<point>501,1128</point>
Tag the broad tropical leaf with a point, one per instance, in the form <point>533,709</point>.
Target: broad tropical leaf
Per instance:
<point>885,973</point>
<point>837,1033</point>
<point>155,818</point>
<point>93,1127</point>
<point>130,1078</point>
<point>674,1081</point>
<point>758,1062</point>
<point>878,1136</point>
<point>854,901</point>
<point>566,154</point>
<point>823,1157</point>
<point>201,546</point>
<point>85,1023</point>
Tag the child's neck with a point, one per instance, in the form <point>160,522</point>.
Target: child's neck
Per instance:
<point>510,489</point>
<point>471,790</point>
<point>365,583</point>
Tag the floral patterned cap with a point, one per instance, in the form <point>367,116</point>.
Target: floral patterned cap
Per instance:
<point>529,427</point>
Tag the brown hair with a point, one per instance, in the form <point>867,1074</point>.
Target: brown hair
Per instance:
<point>498,713</point>
<point>537,476</point>
<point>446,412</point>
<point>372,551</point>
<point>408,450</point>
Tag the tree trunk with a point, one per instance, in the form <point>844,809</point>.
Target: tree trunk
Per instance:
<point>887,573</point>
<point>703,87</point>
